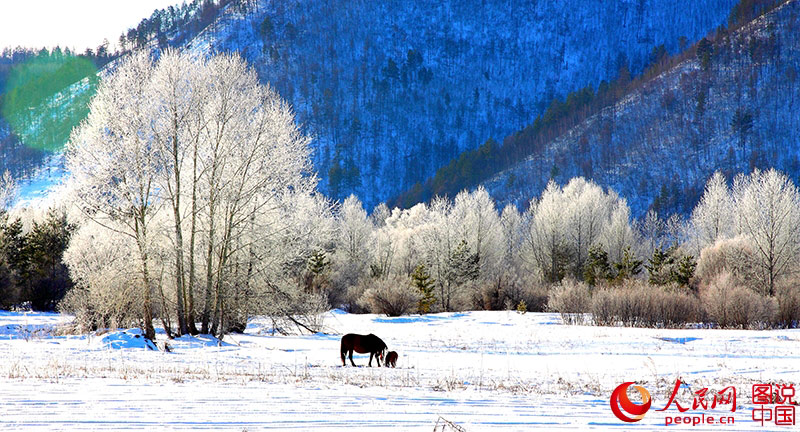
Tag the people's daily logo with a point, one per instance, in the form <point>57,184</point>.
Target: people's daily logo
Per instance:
<point>624,408</point>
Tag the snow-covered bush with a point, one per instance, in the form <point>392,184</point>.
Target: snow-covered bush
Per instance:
<point>734,256</point>
<point>670,308</point>
<point>639,304</point>
<point>486,296</point>
<point>353,296</point>
<point>108,289</point>
<point>728,304</point>
<point>392,296</point>
<point>788,296</point>
<point>571,299</point>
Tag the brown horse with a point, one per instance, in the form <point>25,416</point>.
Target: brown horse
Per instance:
<point>362,344</point>
<point>391,359</point>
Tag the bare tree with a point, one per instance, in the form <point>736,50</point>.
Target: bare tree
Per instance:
<point>205,140</point>
<point>113,168</point>
<point>768,212</point>
<point>712,218</point>
<point>545,238</point>
<point>477,222</point>
<point>354,244</point>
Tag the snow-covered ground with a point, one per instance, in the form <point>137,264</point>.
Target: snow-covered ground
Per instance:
<point>480,370</point>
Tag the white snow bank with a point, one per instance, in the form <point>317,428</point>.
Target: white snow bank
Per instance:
<point>199,341</point>
<point>124,339</point>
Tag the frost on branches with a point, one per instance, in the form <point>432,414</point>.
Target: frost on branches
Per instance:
<point>197,196</point>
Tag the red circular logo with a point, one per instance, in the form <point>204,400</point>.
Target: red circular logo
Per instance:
<point>624,409</point>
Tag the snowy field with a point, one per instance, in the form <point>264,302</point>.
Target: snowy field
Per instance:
<point>480,370</point>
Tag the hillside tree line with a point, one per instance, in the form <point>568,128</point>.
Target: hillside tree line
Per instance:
<point>192,202</point>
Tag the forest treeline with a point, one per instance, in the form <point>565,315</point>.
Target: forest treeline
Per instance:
<point>576,250</point>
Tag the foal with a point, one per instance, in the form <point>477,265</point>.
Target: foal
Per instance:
<point>391,359</point>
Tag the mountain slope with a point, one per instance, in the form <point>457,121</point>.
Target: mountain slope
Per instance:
<point>734,108</point>
<point>393,90</point>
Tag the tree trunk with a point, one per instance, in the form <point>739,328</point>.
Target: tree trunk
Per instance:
<point>147,302</point>
<point>206,318</point>
<point>176,208</point>
<point>190,309</point>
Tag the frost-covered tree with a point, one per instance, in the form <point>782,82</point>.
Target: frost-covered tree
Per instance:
<point>565,223</point>
<point>379,215</point>
<point>265,274</point>
<point>406,229</point>
<point>354,244</point>
<point>113,167</point>
<point>386,244</point>
<point>545,238</point>
<point>254,159</point>
<point>439,239</point>
<point>768,212</point>
<point>511,236</point>
<point>478,225</point>
<point>587,211</point>
<point>179,94</point>
<point>219,153</point>
<point>618,234</point>
<point>657,233</point>
<point>712,218</point>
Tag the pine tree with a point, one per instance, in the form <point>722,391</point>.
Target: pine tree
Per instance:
<point>318,262</point>
<point>685,270</point>
<point>597,268</point>
<point>669,266</point>
<point>659,266</point>
<point>425,284</point>
<point>704,52</point>
<point>742,124</point>
<point>464,264</point>
<point>628,266</point>
<point>266,28</point>
<point>48,278</point>
<point>11,260</point>
<point>317,275</point>
<point>522,307</point>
